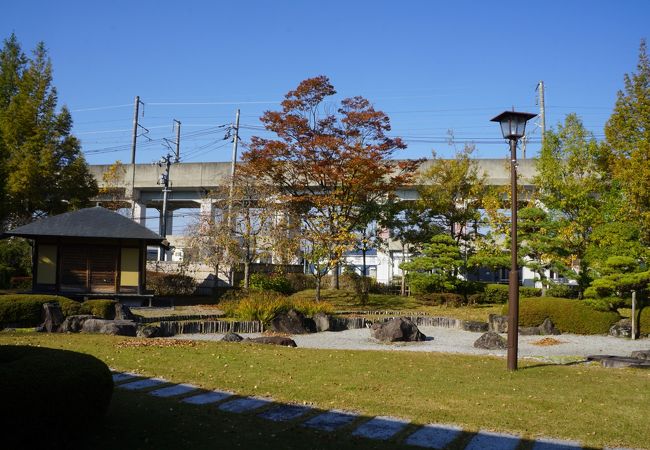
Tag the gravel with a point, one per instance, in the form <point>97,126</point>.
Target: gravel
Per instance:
<point>446,340</point>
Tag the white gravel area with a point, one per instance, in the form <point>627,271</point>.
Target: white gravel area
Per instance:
<point>446,340</point>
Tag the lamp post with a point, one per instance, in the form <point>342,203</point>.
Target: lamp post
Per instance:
<point>513,127</point>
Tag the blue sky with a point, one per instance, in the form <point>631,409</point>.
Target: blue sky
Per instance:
<point>432,66</point>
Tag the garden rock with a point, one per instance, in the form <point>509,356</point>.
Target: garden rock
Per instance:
<point>547,327</point>
<point>398,329</point>
<point>293,322</point>
<point>641,354</point>
<point>73,324</point>
<point>52,317</point>
<point>123,312</point>
<point>274,340</point>
<point>322,322</point>
<point>491,341</point>
<point>497,323</point>
<point>232,337</point>
<point>114,327</point>
<point>622,328</point>
<point>149,331</point>
<point>477,327</point>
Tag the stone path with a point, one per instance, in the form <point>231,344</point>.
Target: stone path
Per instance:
<point>436,436</point>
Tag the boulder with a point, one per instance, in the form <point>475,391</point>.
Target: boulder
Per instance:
<point>293,322</point>
<point>115,327</point>
<point>52,317</point>
<point>641,354</point>
<point>148,331</point>
<point>398,329</point>
<point>123,312</point>
<point>74,324</point>
<point>322,322</point>
<point>477,327</point>
<point>497,323</point>
<point>622,328</point>
<point>232,337</point>
<point>274,340</point>
<point>547,327</point>
<point>491,341</point>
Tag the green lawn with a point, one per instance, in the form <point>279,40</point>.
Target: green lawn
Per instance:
<point>348,301</point>
<point>590,404</point>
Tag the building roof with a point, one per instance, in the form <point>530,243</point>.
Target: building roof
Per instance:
<point>94,222</point>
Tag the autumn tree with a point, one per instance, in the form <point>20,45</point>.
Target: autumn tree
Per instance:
<point>628,140</point>
<point>43,170</point>
<point>111,193</point>
<point>326,162</point>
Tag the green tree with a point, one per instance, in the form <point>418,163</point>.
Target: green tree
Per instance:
<point>451,192</point>
<point>44,170</point>
<point>627,135</point>
<point>436,269</point>
<point>574,186</point>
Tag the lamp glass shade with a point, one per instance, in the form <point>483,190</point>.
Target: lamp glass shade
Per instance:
<point>513,124</point>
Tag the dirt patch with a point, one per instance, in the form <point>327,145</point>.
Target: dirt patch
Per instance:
<point>548,341</point>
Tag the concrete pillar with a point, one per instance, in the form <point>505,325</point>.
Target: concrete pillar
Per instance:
<point>206,209</point>
<point>140,213</point>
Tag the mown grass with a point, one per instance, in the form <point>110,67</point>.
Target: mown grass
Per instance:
<point>591,404</point>
<point>343,300</point>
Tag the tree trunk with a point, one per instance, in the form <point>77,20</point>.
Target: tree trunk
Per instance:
<point>247,275</point>
<point>402,290</point>
<point>318,279</point>
<point>337,285</point>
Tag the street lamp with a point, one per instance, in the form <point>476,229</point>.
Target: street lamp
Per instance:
<point>513,127</point>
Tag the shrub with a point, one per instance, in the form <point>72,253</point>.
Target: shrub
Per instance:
<point>20,283</point>
<point>104,309</point>
<point>562,291</point>
<point>168,284</point>
<point>265,306</point>
<point>476,299</point>
<point>25,310</point>
<point>444,298</point>
<point>568,315</point>
<point>644,321</point>
<point>605,304</point>
<point>263,282</point>
<point>301,281</point>
<point>78,389</point>
<point>496,293</point>
<point>530,292</point>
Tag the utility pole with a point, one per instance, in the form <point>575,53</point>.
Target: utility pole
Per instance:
<point>542,109</point>
<point>231,193</point>
<point>164,181</point>
<point>178,141</point>
<point>134,143</point>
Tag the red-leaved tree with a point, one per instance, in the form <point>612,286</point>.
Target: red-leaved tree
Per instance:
<point>328,164</point>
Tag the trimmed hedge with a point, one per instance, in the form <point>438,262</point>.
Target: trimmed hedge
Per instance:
<point>25,310</point>
<point>104,309</point>
<point>50,395</point>
<point>441,298</point>
<point>496,293</point>
<point>262,282</point>
<point>568,315</point>
<point>644,321</point>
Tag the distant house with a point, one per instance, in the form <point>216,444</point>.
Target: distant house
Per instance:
<point>89,252</point>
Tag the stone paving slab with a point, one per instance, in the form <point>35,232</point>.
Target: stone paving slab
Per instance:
<point>171,391</point>
<point>285,413</point>
<point>381,428</point>
<point>207,398</point>
<point>142,384</point>
<point>485,440</point>
<point>119,377</point>
<point>555,444</point>
<point>434,436</point>
<point>244,404</point>
<point>331,420</point>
